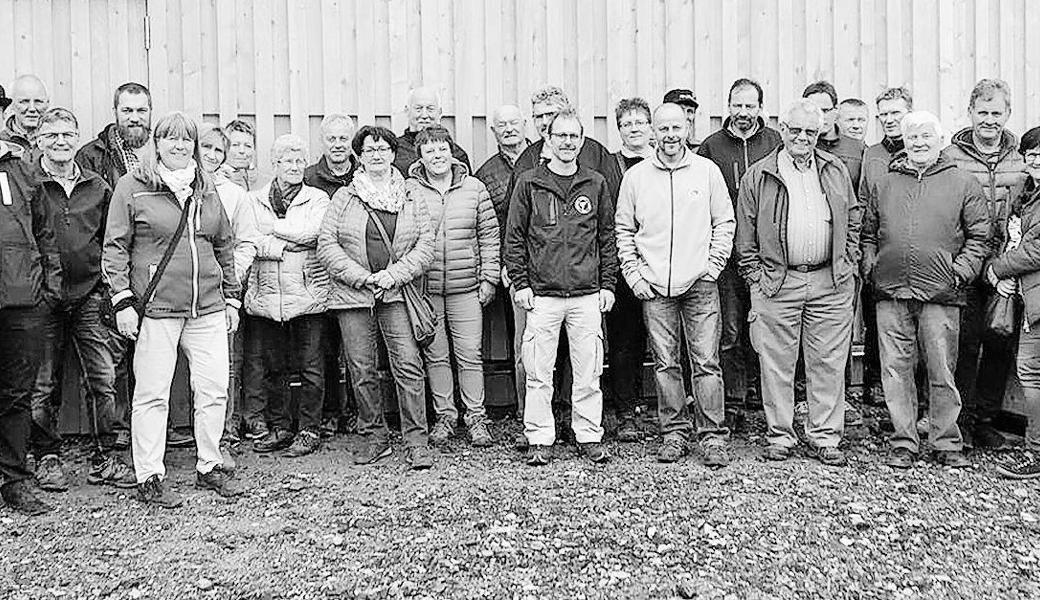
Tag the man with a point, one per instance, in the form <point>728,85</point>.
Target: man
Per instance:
<point>853,115</point>
<point>797,243</point>
<point>424,109</point>
<point>849,150</point>
<point>925,238</point>
<point>30,283</point>
<point>674,224</point>
<point>688,101</point>
<point>633,122</point>
<point>77,200</point>
<point>562,260</point>
<point>29,100</point>
<point>989,152</point>
<point>743,140</point>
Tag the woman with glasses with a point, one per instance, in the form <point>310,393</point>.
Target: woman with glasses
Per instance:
<point>285,302</point>
<point>367,275</point>
<point>192,307</point>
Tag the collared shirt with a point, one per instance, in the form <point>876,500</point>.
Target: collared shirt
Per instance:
<point>67,183</point>
<point>808,215</point>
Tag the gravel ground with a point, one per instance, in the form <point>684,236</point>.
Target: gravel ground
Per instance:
<point>481,524</point>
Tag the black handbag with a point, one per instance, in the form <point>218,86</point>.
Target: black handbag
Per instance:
<point>1003,314</point>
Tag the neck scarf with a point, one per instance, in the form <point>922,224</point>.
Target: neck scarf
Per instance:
<point>388,197</point>
<point>179,180</point>
<point>125,153</point>
<point>282,199</point>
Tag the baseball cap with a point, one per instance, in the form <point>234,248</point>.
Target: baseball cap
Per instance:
<point>682,97</point>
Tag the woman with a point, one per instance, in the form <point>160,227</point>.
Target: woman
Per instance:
<point>1017,270</point>
<point>240,167</point>
<point>193,305</point>
<point>285,304</point>
<point>461,279</point>
<point>366,290</point>
<point>213,146</point>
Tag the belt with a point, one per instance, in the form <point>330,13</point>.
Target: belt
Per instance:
<point>808,268</point>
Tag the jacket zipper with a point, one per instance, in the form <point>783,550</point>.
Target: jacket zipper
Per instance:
<point>671,226</point>
<point>194,259</point>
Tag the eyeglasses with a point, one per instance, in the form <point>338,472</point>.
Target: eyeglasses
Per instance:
<point>633,124</point>
<point>797,131</point>
<point>67,136</point>
<point>376,150</point>
<point>567,136</point>
<point>292,162</point>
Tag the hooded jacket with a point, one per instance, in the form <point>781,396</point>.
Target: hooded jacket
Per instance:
<point>734,154</point>
<point>407,153</point>
<point>925,236</point>
<point>320,176</point>
<point>465,230</point>
<point>674,225</point>
<point>30,263</point>
<point>561,244</point>
<point>762,213</point>
<point>1023,262</point>
<point>142,217</point>
<point>18,143</point>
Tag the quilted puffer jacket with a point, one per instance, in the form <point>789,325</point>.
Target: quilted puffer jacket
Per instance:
<point>465,229</point>
<point>287,279</point>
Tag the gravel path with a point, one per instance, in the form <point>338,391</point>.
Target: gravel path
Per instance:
<point>483,525</point>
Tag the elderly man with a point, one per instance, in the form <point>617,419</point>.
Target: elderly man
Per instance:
<point>335,168</point>
<point>507,124</point>
<point>674,223</point>
<point>424,109</point>
<point>989,152</point>
<point>123,144</point>
<point>743,140</point>
<point>925,238</point>
<point>849,150</point>
<point>29,100</point>
<point>797,243</point>
<point>853,115</point>
<point>688,101</point>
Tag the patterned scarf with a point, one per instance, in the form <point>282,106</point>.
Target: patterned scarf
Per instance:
<point>126,154</point>
<point>387,197</point>
<point>282,199</point>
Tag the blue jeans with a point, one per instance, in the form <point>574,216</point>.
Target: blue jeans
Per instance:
<point>696,313</point>
<point>21,345</point>
<point>360,329</point>
<point>1029,377</point>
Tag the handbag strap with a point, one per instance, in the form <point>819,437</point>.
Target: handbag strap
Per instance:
<point>382,232</point>
<point>167,255</point>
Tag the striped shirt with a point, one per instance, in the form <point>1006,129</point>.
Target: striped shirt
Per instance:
<point>808,215</point>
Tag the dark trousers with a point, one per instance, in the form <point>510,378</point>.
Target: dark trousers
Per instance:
<point>21,347</point>
<point>339,399</point>
<point>274,353</point>
<point>871,351</point>
<point>737,358</point>
<point>626,348</point>
<point>983,362</point>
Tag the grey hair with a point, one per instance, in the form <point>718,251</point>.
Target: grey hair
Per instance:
<point>333,118</point>
<point>921,118</point>
<point>803,106</point>
<point>287,143</point>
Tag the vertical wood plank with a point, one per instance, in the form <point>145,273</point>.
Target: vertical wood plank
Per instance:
<point>298,61</point>
<point>1030,46</point>
<point>227,74</point>
<point>191,61</point>
<point>82,103</point>
<point>399,44</point>
<point>264,99</point>
<point>365,21</point>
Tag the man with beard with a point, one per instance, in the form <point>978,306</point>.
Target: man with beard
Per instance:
<point>743,140</point>
<point>29,101</point>
<point>424,109</point>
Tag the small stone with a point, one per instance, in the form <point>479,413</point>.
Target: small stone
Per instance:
<point>204,584</point>
<point>337,540</point>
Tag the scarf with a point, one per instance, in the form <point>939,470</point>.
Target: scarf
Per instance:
<point>281,200</point>
<point>894,146</point>
<point>125,153</point>
<point>179,181</point>
<point>389,197</point>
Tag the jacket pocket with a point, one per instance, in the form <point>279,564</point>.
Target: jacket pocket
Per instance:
<point>21,275</point>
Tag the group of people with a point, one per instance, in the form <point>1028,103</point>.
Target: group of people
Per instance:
<point>740,259</point>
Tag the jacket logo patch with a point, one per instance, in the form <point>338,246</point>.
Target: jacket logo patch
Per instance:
<point>583,205</point>
<point>5,190</point>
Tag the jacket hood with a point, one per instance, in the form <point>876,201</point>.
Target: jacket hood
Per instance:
<point>5,151</point>
<point>963,140</point>
<point>459,172</point>
<point>901,164</point>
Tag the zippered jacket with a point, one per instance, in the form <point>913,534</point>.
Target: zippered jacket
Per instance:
<point>99,156</point>
<point>734,154</point>
<point>465,230</point>
<point>142,218</point>
<point>1023,262</point>
<point>557,243</point>
<point>926,235</point>
<point>320,176</point>
<point>673,225</point>
<point>849,150</point>
<point>287,280</point>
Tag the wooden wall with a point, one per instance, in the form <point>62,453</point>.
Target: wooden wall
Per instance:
<point>287,62</point>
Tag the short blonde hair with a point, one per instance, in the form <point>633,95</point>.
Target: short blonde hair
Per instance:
<point>288,143</point>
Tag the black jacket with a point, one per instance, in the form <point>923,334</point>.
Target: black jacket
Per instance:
<point>849,150</point>
<point>30,265</point>
<point>320,176</point>
<point>735,154</point>
<point>99,156</point>
<point>495,173</point>
<point>78,223</point>
<point>408,154</point>
<point>592,156</point>
<point>561,245</point>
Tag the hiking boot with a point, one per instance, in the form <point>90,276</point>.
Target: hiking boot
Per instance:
<point>924,426</point>
<point>112,471</point>
<point>155,491</point>
<point>716,456</point>
<point>900,458</point>
<point>595,451</point>
<point>257,430</point>
<point>419,458</point>
<point>987,436</point>
<point>50,474</point>
<point>734,420</point>
<point>348,423</point>
<point>776,453</point>
<point>520,442</point>
<point>371,451</point>
<point>178,438</point>
<point>276,439</point>
<point>628,428</point>
<point>227,457</point>
<point>954,459</point>
<point>441,431</point>
<point>306,442</point>
<point>217,480</point>
<point>832,456</point>
<point>122,441</point>
<point>479,435</point>
<point>1026,465</point>
<point>538,456</point>
<point>18,495</point>
<point>671,450</point>
<point>329,426</point>
<point>853,416</point>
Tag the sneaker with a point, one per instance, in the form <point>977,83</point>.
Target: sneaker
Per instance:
<point>122,441</point>
<point>419,458</point>
<point>112,471</point>
<point>178,438</point>
<point>986,436</point>
<point>954,459</point>
<point>154,491</point>
<point>306,442</point>
<point>628,428</point>
<point>520,442</point>
<point>219,481</point>
<point>538,456</point>
<point>801,412</point>
<point>900,458</point>
<point>373,450</point>
<point>853,416</point>
<point>1024,466</point>
<point>716,456</point>
<point>595,451</point>
<point>832,456</point>
<point>329,426</point>
<point>257,430</point>
<point>924,426</point>
<point>479,435</point>
<point>276,439</point>
<point>18,495</point>
<point>50,474</point>
<point>227,457</point>
<point>671,450</point>
<point>776,453</point>
<point>441,431</point>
